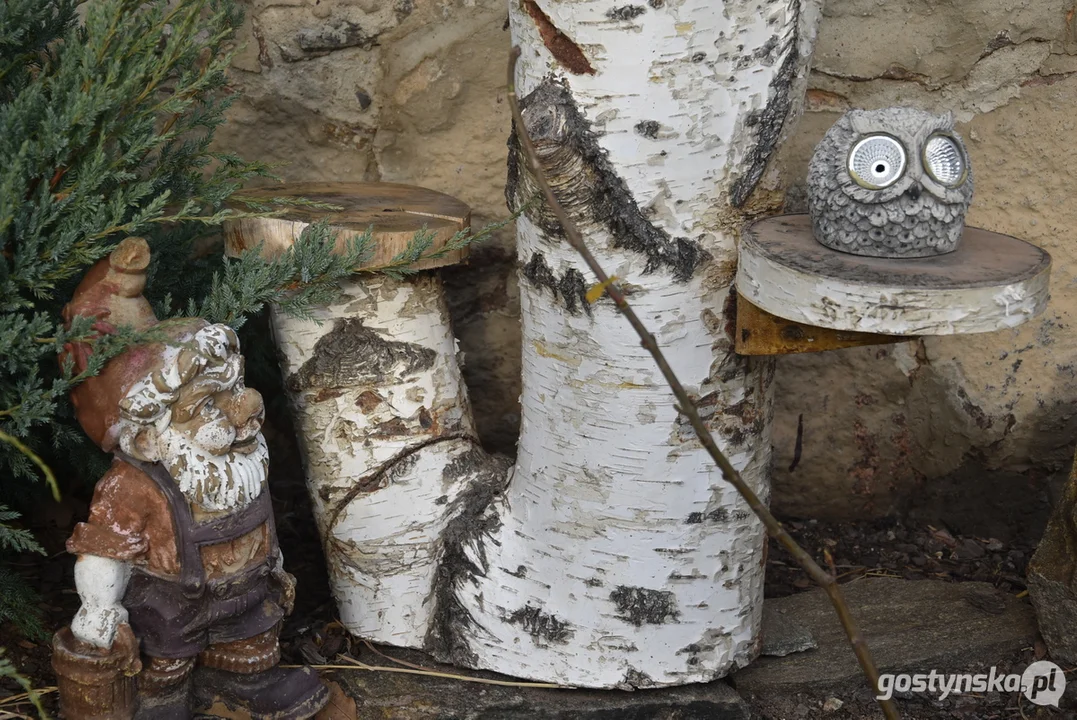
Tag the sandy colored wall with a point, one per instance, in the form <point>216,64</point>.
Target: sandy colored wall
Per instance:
<point>971,429</point>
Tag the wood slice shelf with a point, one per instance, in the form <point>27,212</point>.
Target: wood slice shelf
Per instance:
<point>396,213</point>
<point>821,299</point>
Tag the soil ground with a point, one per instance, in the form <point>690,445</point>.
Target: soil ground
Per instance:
<point>312,635</point>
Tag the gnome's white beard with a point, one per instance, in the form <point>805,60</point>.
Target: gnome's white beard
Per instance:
<point>216,482</point>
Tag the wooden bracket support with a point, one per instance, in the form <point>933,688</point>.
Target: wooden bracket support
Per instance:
<point>760,333</point>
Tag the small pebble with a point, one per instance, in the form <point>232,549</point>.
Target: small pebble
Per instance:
<point>970,550</point>
<point>832,705</point>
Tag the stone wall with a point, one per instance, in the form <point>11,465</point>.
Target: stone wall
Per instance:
<point>969,430</point>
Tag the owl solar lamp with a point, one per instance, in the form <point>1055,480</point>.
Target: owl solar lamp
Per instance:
<point>890,183</point>
<point>884,253</point>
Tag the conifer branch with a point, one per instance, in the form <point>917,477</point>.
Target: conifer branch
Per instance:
<point>19,445</point>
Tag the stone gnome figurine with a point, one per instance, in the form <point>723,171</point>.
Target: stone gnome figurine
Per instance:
<point>178,569</point>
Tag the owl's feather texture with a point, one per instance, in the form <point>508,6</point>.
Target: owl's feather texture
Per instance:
<point>914,217</point>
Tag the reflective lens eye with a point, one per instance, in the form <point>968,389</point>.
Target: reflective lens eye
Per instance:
<point>877,161</point>
<point>944,160</point>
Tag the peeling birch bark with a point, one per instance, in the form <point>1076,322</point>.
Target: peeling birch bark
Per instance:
<point>388,445</point>
<point>618,557</point>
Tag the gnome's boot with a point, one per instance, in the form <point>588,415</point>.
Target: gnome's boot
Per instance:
<point>164,689</point>
<point>244,675</point>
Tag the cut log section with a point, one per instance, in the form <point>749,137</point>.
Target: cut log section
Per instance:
<point>384,422</point>
<point>990,282</point>
<point>617,556</point>
<point>396,212</point>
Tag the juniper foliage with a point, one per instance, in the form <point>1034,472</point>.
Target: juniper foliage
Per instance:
<point>33,697</point>
<point>106,125</point>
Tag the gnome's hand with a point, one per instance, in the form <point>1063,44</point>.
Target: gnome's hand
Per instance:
<point>286,581</point>
<point>98,625</point>
<point>101,584</point>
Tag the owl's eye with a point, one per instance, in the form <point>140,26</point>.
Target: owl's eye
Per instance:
<point>877,161</point>
<point>944,160</point>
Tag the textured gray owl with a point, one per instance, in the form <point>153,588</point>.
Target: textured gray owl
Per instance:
<point>890,183</point>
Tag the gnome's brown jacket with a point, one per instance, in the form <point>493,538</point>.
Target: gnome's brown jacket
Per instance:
<point>199,580</point>
<point>130,520</point>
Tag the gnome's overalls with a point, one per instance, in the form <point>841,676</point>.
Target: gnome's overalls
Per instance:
<point>182,617</point>
<point>208,634</point>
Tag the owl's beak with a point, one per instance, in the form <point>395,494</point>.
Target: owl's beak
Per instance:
<point>914,190</point>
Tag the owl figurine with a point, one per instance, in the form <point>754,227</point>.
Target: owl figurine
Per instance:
<point>890,183</point>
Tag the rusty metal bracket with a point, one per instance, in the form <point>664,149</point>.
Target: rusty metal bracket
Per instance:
<point>760,333</point>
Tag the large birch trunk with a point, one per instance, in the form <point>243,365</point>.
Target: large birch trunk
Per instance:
<point>618,556</point>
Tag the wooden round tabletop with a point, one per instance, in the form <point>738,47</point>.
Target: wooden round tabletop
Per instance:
<point>395,212</point>
<point>990,282</point>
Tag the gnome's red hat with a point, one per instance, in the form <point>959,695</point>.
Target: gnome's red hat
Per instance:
<point>111,293</point>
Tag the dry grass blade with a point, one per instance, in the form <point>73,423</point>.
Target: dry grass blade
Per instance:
<point>5,715</point>
<point>393,659</point>
<point>21,699</point>
<point>688,408</point>
<point>357,665</point>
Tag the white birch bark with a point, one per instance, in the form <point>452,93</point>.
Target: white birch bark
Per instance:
<point>386,433</point>
<point>618,556</point>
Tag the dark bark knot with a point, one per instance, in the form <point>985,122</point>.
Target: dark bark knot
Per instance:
<point>642,606</point>
<point>352,354</point>
<point>570,287</point>
<point>543,627</point>
<point>766,125</point>
<point>464,558</point>
<point>587,185</point>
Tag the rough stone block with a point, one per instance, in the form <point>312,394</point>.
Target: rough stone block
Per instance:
<point>909,626</point>
<point>398,696</point>
<point>1051,577</point>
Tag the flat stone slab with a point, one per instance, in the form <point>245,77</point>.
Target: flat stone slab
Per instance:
<point>912,626</point>
<point>395,696</point>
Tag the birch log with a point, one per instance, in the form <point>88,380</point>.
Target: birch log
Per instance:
<point>618,557</point>
<point>383,414</point>
<point>991,282</point>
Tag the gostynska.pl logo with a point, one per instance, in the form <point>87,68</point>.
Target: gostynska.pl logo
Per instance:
<point>1042,683</point>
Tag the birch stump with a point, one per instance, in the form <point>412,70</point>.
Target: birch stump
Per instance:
<point>618,557</point>
<point>384,419</point>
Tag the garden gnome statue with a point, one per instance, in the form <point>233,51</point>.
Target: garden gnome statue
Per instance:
<point>179,571</point>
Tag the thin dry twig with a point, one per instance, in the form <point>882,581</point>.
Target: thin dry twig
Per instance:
<point>23,698</point>
<point>357,665</point>
<point>392,659</point>
<point>6,715</point>
<point>687,406</point>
